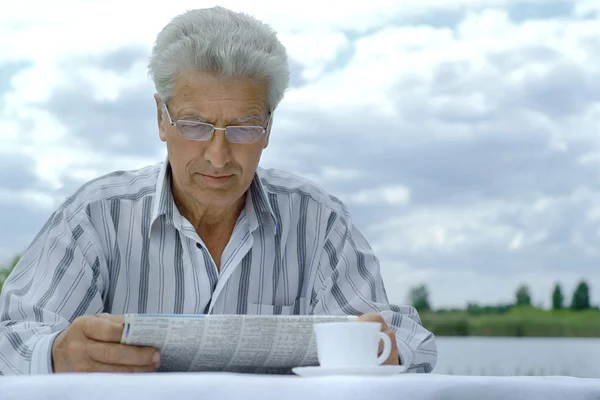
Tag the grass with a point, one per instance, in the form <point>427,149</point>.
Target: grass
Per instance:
<point>517,322</point>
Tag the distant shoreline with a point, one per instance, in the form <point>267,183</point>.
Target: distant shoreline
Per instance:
<point>517,322</point>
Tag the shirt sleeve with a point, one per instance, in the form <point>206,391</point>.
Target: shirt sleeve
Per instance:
<point>56,280</point>
<point>349,282</point>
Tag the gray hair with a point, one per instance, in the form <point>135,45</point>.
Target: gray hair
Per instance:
<point>219,41</point>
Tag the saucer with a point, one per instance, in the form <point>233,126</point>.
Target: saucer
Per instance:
<point>376,370</point>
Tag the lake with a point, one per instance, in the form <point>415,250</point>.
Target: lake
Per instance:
<point>578,357</point>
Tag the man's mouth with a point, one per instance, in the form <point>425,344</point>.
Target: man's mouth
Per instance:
<point>216,179</point>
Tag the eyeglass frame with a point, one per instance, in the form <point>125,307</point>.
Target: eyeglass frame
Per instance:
<point>265,130</point>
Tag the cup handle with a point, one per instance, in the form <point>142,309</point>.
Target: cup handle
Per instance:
<point>387,348</point>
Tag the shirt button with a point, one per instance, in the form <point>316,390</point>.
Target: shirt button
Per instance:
<point>198,245</point>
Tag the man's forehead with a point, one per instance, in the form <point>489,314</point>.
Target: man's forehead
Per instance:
<point>211,112</point>
<point>202,93</point>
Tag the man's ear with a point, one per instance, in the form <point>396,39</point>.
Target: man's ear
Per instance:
<point>159,118</point>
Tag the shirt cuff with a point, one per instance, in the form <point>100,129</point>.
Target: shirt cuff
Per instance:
<point>406,353</point>
<point>41,355</point>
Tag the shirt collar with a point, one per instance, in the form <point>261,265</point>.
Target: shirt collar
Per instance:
<point>257,208</point>
<point>163,202</point>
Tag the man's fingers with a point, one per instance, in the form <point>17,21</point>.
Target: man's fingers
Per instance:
<point>111,368</point>
<point>124,355</point>
<point>393,358</point>
<point>392,336</point>
<point>372,318</point>
<point>119,319</point>
<point>376,318</point>
<point>102,329</point>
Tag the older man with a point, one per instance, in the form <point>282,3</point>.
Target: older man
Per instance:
<point>206,231</point>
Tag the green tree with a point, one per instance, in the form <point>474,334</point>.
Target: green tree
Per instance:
<point>581,297</point>
<point>523,296</point>
<point>557,297</point>
<point>419,298</point>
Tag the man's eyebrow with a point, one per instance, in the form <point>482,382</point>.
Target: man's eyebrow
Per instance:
<point>193,118</point>
<point>250,118</point>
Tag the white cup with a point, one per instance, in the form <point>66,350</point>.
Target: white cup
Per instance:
<point>351,344</point>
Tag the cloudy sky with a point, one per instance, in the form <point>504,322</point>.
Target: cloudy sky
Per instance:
<point>463,135</point>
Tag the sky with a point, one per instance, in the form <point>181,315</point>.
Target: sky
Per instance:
<point>464,136</point>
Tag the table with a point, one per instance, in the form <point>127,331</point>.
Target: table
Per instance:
<point>225,386</point>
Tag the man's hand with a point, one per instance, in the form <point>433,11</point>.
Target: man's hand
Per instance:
<point>92,344</point>
<point>393,359</point>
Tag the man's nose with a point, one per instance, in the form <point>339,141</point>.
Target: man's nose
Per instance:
<point>218,151</point>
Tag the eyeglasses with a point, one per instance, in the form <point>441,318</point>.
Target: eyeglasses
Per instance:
<point>196,130</point>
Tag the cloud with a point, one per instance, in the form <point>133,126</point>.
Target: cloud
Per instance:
<point>525,11</point>
<point>386,195</point>
<point>565,90</point>
<point>462,135</point>
<point>123,121</point>
<point>25,204</point>
<point>482,126</point>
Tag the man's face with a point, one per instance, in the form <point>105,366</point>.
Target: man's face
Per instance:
<point>215,172</point>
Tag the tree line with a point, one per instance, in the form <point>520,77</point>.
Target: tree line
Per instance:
<point>579,300</point>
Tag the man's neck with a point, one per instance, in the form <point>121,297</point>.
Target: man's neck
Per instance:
<point>211,223</point>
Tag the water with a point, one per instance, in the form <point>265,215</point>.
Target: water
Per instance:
<point>576,357</point>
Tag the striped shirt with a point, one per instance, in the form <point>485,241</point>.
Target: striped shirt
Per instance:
<point>120,245</point>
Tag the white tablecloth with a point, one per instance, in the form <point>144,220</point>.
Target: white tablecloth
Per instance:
<point>224,386</point>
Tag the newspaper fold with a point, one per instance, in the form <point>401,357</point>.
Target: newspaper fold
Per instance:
<point>268,344</point>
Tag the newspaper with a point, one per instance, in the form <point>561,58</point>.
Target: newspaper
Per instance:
<point>267,344</point>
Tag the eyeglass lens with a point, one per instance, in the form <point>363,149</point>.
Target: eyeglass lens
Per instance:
<point>200,131</point>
